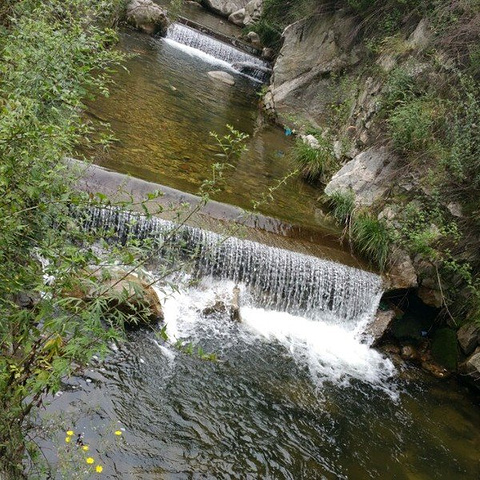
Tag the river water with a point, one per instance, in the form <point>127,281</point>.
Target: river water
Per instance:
<point>291,396</point>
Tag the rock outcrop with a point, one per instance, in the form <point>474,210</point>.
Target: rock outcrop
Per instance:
<point>147,16</point>
<point>369,175</point>
<point>224,7</point>
<point>312,51</point>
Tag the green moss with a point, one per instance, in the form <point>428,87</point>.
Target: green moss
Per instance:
<point>444,348</point>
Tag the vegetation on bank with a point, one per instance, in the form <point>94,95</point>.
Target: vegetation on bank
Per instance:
<point>54,54</point>
<point>429,114</point>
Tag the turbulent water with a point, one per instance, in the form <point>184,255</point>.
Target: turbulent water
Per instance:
<point>227,54</point>
<point>279,279</point>
<point>288,398</point>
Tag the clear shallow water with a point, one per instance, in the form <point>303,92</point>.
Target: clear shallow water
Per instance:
<point>288,399</point>
<point>162,112</point>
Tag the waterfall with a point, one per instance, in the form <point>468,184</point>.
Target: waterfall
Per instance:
<point>278,279</point>
<point>238,60</point>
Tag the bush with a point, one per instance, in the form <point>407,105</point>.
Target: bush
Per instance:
<point>342,203</point>
<point>316,164</point>
<point>371,238</point>
<point>411,125</point>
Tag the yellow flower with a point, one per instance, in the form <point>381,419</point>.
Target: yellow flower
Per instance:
<point>85,448</point>
<point>67,439</point>
<point>99,469</point>
<point>118,432</point>
<point>90,460</point>
<point>70,433</point>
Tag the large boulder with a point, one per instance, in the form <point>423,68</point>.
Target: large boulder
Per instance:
<point>224,7</point>
<point>313,50</point>
<point>147,16</point>
<point>123,292</point>
<point>369,175</point>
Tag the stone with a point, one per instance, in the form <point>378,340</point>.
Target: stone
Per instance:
<point>409,353</point>
<point>218,307</point>
<point>313,49</point>
<point>420,39</point>
<point>125,292</point>
<point>377,330</point>
<point>222,77</point>
<point>369,175</point>
<point>470,369</point>
<point>235,306</point>
<point>430,296</point>
<point>237,17</point>
<point>254,39</point>
<point>311,141</point>
<point>147,16</point>
<point>224,7</point>
<point>133,296</point>
<point>434,369</point>
<point>268,53</point>
<point>253,11</point>
<point>468,337</point>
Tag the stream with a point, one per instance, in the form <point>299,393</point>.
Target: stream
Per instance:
<point>296,391</point>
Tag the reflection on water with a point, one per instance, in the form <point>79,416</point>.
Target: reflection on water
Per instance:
<point>276,406</point>
<point>162,112</point>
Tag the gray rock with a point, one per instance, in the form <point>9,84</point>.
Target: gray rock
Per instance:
<point>253,11</point>
<point>469,337</point>
<point>430,296</point>
<point>401,274</point>
<point>147,16</point>
<point>312,49</point>
<point>368,175</point>
<point>379,327</point>
<point>224,7</point>
<point>238,17</point>
<point>471,369</point>
<point>420,39</point>
<point>254,39</point>
<point>222,76</point>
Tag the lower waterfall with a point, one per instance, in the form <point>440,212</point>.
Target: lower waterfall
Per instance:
<point>277,279</point>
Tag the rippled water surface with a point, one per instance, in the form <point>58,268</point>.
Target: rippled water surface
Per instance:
<point>162,111</point>
<point>288,399</point>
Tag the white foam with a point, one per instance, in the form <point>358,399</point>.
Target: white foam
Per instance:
<point>194,52</point>
<point>330,349</point>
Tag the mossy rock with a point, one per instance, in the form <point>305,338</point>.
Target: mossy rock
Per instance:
<point>444,348</point>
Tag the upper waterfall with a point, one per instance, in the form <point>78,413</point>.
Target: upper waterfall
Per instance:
<point>237,59</point>
<point>278,279</point>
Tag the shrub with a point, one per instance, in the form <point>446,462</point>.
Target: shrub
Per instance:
<point>411,125</point>
<point>342,203</point>
<point>316,164</point>
<point>371,238</point>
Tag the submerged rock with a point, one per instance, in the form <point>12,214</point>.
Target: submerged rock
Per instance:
<point>147,16</point>
<point>222,76</point>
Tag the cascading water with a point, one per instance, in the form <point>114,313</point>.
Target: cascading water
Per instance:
<point>277,279</point>
<point>233,57</point>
